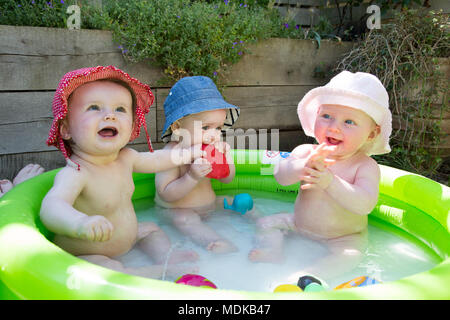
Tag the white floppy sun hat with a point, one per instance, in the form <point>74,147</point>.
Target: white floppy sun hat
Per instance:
<point>360,90</point>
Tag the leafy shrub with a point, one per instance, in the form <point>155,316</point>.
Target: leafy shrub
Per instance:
<point>403,54</point>
<point>185,37</point>
<point>188,37</point>
<point>34,13</point>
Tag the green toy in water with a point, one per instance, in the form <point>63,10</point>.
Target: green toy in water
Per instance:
<point>305,281</point>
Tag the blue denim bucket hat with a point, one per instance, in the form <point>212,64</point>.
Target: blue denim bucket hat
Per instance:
<point>192,95</point>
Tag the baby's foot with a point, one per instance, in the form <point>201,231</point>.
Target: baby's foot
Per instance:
<point>265,255</point>
<point>221,246</point>
<point>5,186</point>
<point>27,172</point>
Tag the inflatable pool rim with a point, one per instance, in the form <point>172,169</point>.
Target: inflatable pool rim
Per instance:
<point>32,267</point>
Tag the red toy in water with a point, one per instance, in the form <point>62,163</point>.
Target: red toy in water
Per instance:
<point>220,168</point>
<point>195,280</point>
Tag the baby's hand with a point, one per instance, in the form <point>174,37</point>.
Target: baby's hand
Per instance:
<point>316,178</point>
<point>200,168</point>
<point>197,152</point>
<point>222,146</point>
<point>182,155</point>
<point>318,157</point>
<point>95,228</point>
<point>225,148</point>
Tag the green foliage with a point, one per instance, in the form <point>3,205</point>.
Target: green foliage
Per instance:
<point>34,13</point>
<point>44,13</point>
<point>186,37</point>
<point>404,55</point>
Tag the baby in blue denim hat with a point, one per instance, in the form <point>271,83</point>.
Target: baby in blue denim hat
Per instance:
<point>195,113</point>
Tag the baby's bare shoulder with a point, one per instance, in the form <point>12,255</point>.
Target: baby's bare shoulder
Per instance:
<point>128,154</point>
<point>71,175</point>
<point>68,181</point>
<point>368,166</point>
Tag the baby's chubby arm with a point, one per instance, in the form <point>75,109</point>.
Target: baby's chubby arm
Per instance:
<point>172,187</point>
<point>361,196</point>
<point>161,160</point>
<point>59,216</point>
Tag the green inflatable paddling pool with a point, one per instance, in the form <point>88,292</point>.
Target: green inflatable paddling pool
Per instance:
<point>32,267</point>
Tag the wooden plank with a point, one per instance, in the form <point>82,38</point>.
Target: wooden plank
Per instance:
<point>19,107</point>
<point>40,41</point>
<point>26,117</point>
<point>44,72</point>
<point>31,136</point>
<point>249,97</point>
<point>36,58</point>
<point>283,118</point>
<point>419,123</point>
<point>285,62</point>
<point>261,107</point>
<point>10,164</point>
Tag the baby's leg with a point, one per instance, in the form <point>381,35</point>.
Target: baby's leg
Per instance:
<point>5,186</point>
<point>345,253</point>
<point>27,172</point>
<point>153,241</point>
<point>190,224</point>
<point>152,271</point>
<point>270,236</point>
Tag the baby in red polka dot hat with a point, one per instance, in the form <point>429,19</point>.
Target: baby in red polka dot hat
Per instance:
<point>97,111</point>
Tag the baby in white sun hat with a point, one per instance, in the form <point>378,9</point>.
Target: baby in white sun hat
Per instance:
<point>350,119</point>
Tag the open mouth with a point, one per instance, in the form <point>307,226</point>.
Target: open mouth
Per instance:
<point>108,132</point>
<point>333,141</point>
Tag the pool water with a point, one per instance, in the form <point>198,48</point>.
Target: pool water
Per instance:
<point>390,255</point>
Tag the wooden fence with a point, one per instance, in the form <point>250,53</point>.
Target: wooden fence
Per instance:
<point>267,85</point>
<point>307,12</point>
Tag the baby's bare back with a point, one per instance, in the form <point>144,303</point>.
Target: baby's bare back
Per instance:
<point>107,193</point>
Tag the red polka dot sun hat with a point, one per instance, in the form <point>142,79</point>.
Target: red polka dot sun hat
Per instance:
<point>76,78</point>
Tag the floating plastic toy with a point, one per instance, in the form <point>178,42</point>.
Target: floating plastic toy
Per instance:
<point>314,287</point>
<point>242,203</point>
<point>195,280</point>
<point>287,288</point>
<point>358,282</point>
<point>304,281</point>
<point>220,168</point>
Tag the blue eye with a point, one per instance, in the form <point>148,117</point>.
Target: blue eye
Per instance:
<point>205,128</point>
<point>326,116</point>
<point>93,107</point>
<point>350,122</point>
<point>121,109</point>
